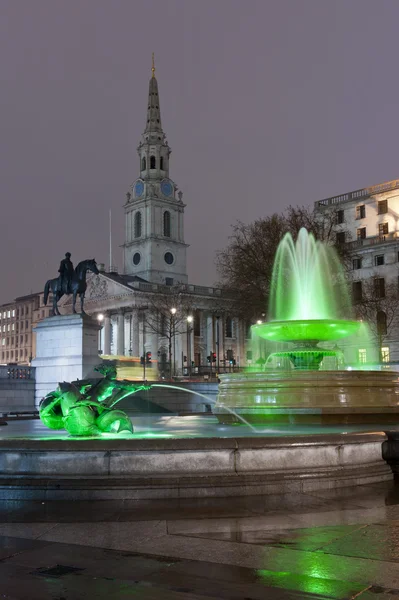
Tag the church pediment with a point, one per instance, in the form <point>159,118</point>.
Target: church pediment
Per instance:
<point>100,288</point>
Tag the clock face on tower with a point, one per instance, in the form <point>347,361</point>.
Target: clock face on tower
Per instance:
<point>166,187</point>
<point>138,188</point>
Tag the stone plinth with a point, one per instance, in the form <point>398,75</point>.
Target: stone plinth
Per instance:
<point>66,350</point>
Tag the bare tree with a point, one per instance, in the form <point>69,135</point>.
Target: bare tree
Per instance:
<point>245,266</point>
<point>379,308</point>
<point>167,316</point>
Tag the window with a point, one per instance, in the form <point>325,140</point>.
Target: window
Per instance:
<point>168,257</point>
<point>379,260</point>
<point>13,312</point>
<point>26,337</point>
<point>379,287</point>
<point>356,263</point>
<point>357,292</point>
<point>197,323</point>
<point>3,342</point>
<point>26,324</point>
<point>168,280</point>
<point>8,314</point>
<point>340,217</point>
<point>229,327</point>
<point>21,338</point>
<point>362,356</point>
<point>166,223</point>
<point>385,354</point>
<point>340,237</point>
<point>383,229</point>
<point>361,233</point>
<point>13,327</point>
<point>360,211</point>
<point>137,224</point>
<point>381,323</point>
<point>382,207</point>
<point>4,314</point>
<point>143,164</point>
<point>152,162</point>
<point>161,163</point>
<point>163,325</point>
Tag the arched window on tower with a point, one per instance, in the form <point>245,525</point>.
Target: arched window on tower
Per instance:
<point>166,223</point>
<point>152,162</point>
<point>161,163</point>
<point>143,164</point>
<point>137,224</point>
<point>229,327</point>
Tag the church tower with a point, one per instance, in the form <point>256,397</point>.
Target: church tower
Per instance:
<point>154,247</point>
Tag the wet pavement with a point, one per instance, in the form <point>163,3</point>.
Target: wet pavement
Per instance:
<point>338,544</point>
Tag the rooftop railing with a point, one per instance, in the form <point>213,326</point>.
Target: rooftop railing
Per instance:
<point>361,194</point>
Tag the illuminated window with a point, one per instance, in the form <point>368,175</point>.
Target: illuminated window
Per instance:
<point>8,314</point>
<point>362,355</point>
<point>13,312</point>
<point>385,355</point>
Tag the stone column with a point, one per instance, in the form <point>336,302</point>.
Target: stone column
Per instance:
<point>107,334</point>
<point>209,335</point>
<point>120,341</point>
<point>135,332</point>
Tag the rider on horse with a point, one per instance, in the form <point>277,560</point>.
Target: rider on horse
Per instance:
<point>66,273</point>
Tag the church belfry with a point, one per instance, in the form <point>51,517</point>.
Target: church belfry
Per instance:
<point>154,247</point>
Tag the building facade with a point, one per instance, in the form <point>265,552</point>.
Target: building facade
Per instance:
<point>367,222</point>
<point>17,321</point>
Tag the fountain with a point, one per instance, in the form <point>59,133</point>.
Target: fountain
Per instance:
<point>309,305</point>
<point>104,457</point>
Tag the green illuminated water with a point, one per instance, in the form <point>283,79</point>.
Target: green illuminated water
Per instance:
<point>308,300</point>
<point>308,281</point>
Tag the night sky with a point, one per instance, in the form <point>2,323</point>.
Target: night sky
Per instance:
<point>264,103</point>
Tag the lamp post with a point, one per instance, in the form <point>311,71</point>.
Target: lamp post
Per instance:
<point>189,329</point>
<point>100,319</point>
<point>172,336</point>
<point>217,342</point>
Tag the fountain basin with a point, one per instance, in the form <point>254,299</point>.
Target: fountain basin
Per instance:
<point>306,330</point>
<point>314,397</point>
<point>71,469</point>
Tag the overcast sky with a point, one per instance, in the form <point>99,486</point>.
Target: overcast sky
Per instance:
<point>265,104</point>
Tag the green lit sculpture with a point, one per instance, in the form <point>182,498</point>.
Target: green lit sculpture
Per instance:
<point>89,410</point>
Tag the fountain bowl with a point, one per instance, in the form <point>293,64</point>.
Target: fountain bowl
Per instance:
<point>309,397</point>
<point>306,330</point>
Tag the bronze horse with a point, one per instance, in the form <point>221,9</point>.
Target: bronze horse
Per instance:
<point>78,285</point>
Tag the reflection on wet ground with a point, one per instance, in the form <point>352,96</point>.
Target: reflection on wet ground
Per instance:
<point>342,543</point>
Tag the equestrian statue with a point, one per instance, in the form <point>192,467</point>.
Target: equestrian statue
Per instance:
<point>70,281</point>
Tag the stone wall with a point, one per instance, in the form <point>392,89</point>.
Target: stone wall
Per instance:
<point>17,388</point>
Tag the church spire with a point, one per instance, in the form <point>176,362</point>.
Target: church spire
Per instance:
<point>153,110</point>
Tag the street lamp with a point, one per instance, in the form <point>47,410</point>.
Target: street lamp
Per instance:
<point>100,319</point>
<point>172,334</point>
<point>189,329</point>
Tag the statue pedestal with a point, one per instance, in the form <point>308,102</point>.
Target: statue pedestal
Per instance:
<point>66,350</point>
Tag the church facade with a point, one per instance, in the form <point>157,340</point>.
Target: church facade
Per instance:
<point>151,311</point>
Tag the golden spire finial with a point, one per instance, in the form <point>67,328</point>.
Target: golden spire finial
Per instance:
<point>153,65</point>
